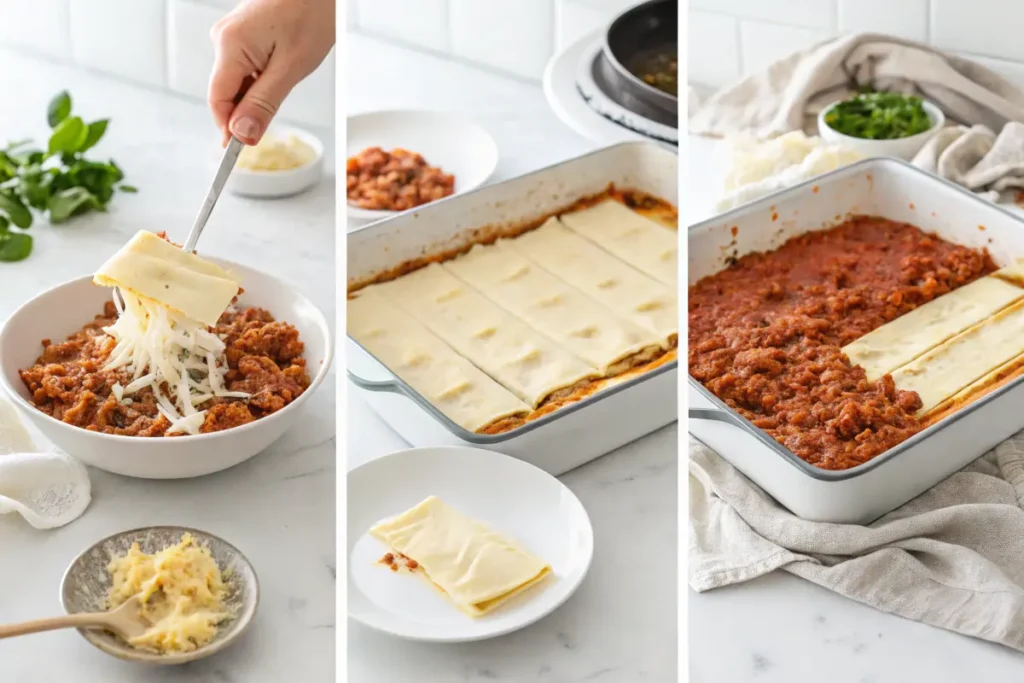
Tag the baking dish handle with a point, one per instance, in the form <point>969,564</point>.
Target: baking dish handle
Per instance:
<point>716,415</point>
<point>389,386</point>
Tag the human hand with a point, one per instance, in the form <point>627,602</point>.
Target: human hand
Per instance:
<point>272,45</point>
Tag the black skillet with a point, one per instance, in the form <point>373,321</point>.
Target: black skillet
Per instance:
<point>648,27</point>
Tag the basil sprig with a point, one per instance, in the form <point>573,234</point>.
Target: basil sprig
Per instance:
<point>58,182</point>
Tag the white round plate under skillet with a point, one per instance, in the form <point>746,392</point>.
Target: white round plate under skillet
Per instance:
<point>590,89</point>
<point>275,184</point>
<point>564,97</point>
<point>447,141</point>
<point>510,496</point>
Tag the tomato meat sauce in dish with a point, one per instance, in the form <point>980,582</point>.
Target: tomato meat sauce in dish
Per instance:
<point>766,334</point>
<point>394,181</point>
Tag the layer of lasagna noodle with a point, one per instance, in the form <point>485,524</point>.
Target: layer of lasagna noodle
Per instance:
<point>843,343</point>
<point>533,318</point>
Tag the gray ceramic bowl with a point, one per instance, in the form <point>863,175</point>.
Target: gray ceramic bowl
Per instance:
<point>86,584</point>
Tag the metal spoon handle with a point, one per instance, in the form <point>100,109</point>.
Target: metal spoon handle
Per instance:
<point>53,623</point>
<point>227,164</point>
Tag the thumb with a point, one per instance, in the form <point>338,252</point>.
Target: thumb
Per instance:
<point>253,114</point>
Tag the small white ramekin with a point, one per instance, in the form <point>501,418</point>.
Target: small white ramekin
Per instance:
<point>271,184</point>
<point>901,148</point>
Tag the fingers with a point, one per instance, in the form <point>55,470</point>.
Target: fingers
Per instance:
<point>230,70</point>
<point>251,117</point>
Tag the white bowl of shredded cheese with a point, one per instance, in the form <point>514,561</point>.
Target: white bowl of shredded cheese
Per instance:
<point>60,311</point>
<point>286,161</point>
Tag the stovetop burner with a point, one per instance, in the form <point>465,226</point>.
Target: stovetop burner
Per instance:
<point>593,81</point>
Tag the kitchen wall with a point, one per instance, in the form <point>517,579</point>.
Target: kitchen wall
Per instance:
<point>516,37</point>
<point>732,38</point>
<point>155,43</point>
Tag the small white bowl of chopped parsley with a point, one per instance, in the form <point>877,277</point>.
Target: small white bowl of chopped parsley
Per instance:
<point>881,124</point>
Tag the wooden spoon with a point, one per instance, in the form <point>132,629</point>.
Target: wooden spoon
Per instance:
<point>125,621</point>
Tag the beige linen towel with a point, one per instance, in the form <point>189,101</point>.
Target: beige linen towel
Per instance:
<point>977,158</point>
<point>953,557</point>
<point>790,93</point>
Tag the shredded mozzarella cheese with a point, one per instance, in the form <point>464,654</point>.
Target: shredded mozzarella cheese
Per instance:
<point>179,358</point>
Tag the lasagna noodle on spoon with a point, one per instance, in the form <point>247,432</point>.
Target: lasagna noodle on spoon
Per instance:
<point>171,298</point>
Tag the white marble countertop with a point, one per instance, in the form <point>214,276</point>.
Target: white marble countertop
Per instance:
<point>278,508</point>
<point>782,629</point>
<point>621,625</point>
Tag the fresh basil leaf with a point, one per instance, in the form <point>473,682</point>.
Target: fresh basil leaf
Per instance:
<point>36,186</point>
<point>15,210</point>
<point>59,109</point>
<point>69,136</point>
<point>71,202</point>
<point>96,131</point>
<point>14,246</point>
<point>27,157</point>
<point>4,223</point>
<point>128,188</point>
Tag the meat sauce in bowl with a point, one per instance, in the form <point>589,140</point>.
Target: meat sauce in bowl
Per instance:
<point>264,359</point>
<point>394,181</point>
<point>766,334</point>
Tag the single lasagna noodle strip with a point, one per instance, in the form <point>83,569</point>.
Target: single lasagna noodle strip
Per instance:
<point>642,243</point>
<point>154,268</point>
<point>478,569</point>
<point>609,281</point>
<point>568,316</point>
<point>899,342</point>
<point>455,386</point>
<point>957,363</point>
<point>521,359</point>
<point>171,298</point>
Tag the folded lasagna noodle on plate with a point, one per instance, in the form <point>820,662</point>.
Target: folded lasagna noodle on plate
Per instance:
<point>644,244</point>
<point>524,361</point>
<point>899,342</point>
<point>568,316</point>
<point>458,388</point>
<point>156,269</point>
<point>609,281</point>
<point>478,569</point>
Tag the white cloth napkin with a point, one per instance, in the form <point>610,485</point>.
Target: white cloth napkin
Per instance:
<point>953,557</point>
<point>48,489</point>
<point>790,93</point>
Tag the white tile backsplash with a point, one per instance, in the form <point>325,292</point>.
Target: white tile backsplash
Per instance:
<point>189,48</point>
<point>517,37</point>
<point>903,18</point>
<point>762,43</point>
<point>123,37</point>
<point>415,22</point>
<point>42,26</point>
<point>819,14</point>
<point>575,19</point>
<point>984,27</point>
<point>987,31</point>
<point>713,54</point>
<point>162,43</point>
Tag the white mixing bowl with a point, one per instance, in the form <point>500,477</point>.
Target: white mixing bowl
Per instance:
<point>59,312</point>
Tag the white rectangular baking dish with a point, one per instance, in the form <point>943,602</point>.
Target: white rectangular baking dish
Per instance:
<point>577,433</point>
<point>898,191</point>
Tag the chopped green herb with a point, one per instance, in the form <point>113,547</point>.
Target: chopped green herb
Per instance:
<point>879,116</point>
<point>59,182</point>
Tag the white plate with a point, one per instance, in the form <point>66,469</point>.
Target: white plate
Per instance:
<point>510,496</point>
<point>454,144</point>
<point>565,99</point>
